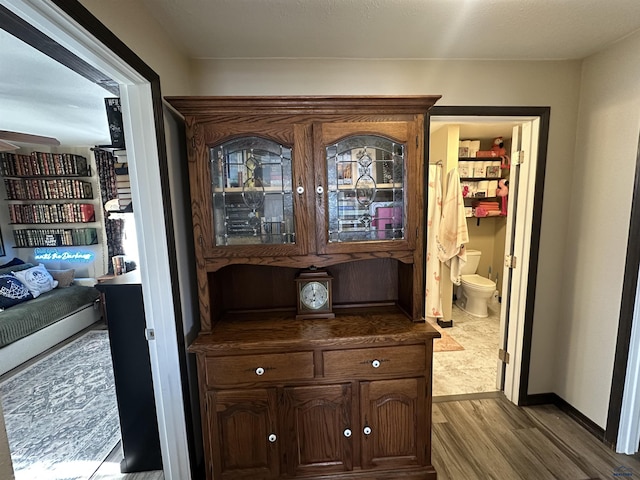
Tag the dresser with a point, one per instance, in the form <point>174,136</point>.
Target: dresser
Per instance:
<point>122,296</point>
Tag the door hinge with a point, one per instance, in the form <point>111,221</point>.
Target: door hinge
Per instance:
<point>519,158</point>
<point>503,355</point>
<point>510,261</point>
<point>150,334</point>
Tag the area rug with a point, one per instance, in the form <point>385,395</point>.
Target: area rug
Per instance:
<point>445,343</point>
<point>61,412</point>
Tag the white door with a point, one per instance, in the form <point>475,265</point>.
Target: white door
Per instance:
<point>522,176</point>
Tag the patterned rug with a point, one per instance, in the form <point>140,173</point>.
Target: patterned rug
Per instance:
<point>61,412</point>
<point>445,343</point>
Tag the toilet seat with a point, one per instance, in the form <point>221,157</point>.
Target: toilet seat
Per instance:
<point>478,282</point>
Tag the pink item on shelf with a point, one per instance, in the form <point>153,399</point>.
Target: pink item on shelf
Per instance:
<point>386,219</point>
<point>480,212</point>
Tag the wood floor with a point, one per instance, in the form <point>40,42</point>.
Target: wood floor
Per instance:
<point>491,438</point>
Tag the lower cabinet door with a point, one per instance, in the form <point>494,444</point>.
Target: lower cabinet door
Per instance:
<point>244,438</point>
<point>393,423</point>
<point>320,430</point>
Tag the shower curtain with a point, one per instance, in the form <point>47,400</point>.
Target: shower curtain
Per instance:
<point>433,307</point>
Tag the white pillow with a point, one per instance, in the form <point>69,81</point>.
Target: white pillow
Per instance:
<point>36,279</point>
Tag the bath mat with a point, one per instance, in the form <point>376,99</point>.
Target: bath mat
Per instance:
<point>445,343</point>
<point>61,412</point>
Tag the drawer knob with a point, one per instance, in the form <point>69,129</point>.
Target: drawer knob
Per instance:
<point>272,438</point>
<point>375,363</point>
<point>300,190</point>
<point>259,371</point>
<point>319,190</point>
<point>367,430</point>
<point>347,432</point>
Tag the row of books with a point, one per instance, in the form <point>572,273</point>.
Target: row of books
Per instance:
<point>41,189</point>
<point>55,237</point>
<point>43,164</point>
<point>52,213</point>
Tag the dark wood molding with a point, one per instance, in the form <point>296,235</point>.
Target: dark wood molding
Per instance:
<point>544,114</point>
<point>534,250</point>
<point>553,399</point>
<point>30,35</point>
<point>627,306</point>
<point>85,19</point>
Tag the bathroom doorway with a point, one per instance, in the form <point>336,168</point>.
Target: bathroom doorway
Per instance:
<point>503,215</point>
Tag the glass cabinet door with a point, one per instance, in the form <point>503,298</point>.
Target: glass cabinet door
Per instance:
<point>251,184</point>
<point>365,189</point>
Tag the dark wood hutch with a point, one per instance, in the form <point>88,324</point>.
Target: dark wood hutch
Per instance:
<point>281,185</point>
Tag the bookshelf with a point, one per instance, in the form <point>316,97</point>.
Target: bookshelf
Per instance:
<point>51,194</point>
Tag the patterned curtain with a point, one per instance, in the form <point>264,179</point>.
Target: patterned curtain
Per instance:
<point>114,228</point>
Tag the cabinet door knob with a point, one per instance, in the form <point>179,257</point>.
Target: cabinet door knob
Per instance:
<point>300,190</point>
<point>367,430</point>
<point>272,438</point>
<point>259,371</point>
<point>319,190</point>
<point>347,432</point>
<point>375,363</point>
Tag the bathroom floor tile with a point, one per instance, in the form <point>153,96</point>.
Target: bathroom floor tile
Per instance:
<point>474,369</point>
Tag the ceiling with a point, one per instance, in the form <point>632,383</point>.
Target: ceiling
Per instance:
<point>461,29</point>
<point>40,96</point>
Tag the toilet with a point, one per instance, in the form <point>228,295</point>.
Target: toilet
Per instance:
<point>475,291</point>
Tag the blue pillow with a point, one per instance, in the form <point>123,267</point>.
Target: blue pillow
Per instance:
<point>12,263</point>
<point>12,291</point>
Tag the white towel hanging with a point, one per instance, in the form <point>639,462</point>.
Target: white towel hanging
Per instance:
<point>452,232</point>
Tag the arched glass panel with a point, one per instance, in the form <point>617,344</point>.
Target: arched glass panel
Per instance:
<point>252,196</point>
<point>365,189</point>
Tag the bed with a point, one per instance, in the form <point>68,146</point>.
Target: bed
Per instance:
<point>35,325</point>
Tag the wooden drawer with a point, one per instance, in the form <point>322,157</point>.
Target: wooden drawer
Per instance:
<point>273,367</point>
<point>371,362</point>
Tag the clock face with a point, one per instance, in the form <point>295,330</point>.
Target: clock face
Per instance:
<point>314,295</point>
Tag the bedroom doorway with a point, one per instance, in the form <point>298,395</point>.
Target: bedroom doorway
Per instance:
<point>140,95</point>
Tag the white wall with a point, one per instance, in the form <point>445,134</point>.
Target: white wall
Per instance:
<point>132,23</point>
<point>606,148</point>
<point>554,84</point>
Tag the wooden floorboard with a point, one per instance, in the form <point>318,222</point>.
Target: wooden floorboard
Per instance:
<point>490,438</point>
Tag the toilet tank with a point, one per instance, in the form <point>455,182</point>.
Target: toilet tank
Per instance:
<point>473,259</point>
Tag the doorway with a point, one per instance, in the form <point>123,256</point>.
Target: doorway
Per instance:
<point>477,364</point>
<point>69,24</point>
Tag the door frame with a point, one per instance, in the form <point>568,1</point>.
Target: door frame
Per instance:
<point>520,397</point>
<point>623,417</point>
<point>86,41</point>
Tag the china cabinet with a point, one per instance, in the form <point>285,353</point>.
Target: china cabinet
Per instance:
<point>314,360</point>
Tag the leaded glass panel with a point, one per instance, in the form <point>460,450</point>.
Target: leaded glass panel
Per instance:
<point>252,196</point>
<point>365,175</point>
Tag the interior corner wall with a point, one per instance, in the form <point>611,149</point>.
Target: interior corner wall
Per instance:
<point>131,22</point>
<point>598,228</point>
<point>492,83</point>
